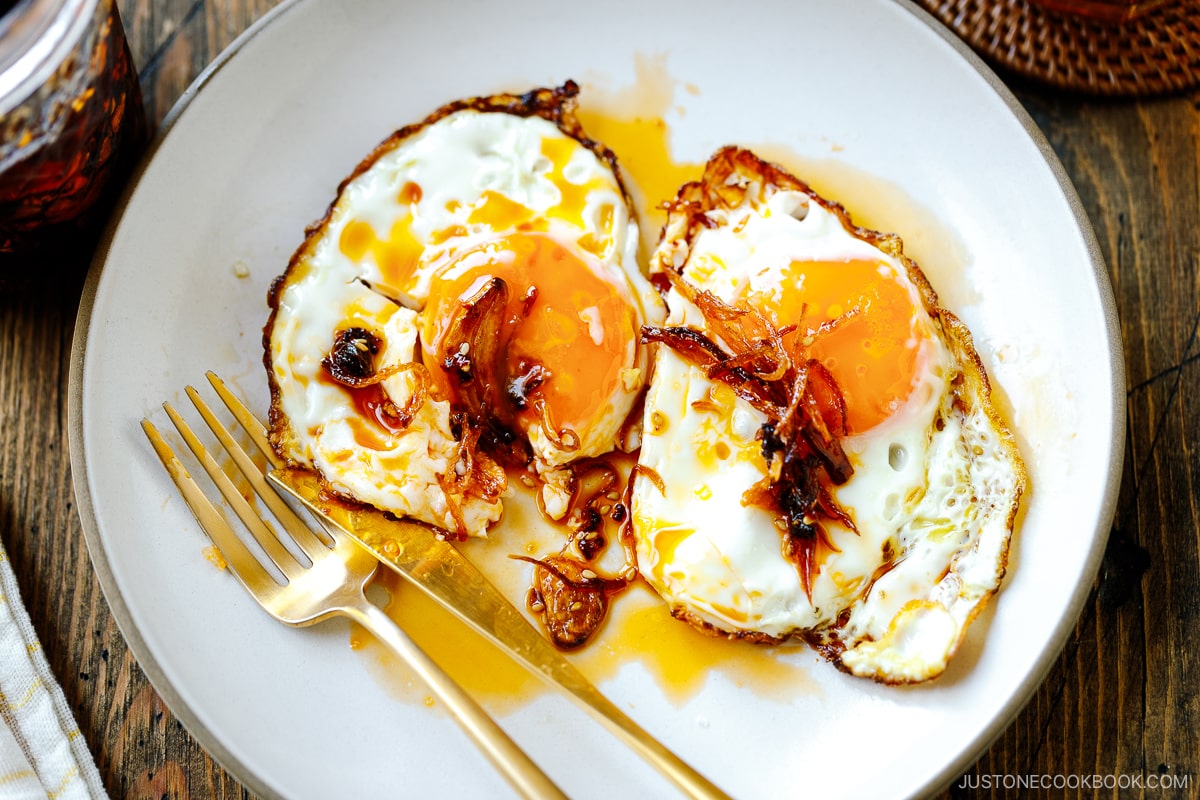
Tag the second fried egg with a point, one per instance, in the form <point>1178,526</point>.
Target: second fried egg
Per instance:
<point>936,477</point>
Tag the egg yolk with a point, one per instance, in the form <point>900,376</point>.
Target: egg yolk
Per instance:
<point>863,325</point>
<point>579,326</point>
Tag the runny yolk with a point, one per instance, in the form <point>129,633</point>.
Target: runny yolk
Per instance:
<point>871,339</point>
<point>580,327</point>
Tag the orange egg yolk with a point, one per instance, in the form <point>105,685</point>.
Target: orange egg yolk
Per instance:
<point>870,341</point>
<point>580,326</point>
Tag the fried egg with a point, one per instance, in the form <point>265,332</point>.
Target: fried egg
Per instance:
<point>926,517</point>
<point>502,196</point>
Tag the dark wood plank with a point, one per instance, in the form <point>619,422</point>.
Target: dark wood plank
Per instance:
<point>174,40</point>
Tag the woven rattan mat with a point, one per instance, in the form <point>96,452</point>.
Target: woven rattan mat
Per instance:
<point>1156,53</point>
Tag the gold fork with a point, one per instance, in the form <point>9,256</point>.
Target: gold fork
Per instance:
<point>439,570</point>
<point>332,584</point>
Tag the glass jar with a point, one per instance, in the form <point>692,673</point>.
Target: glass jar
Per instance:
<point>71,124</point>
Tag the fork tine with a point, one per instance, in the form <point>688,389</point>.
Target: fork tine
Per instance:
<point>262,533</point>
<point>242,563</point>
<point>300,532</point>
<point>245,417</point>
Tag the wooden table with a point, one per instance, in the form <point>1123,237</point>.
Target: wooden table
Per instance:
<point>1124,697</point>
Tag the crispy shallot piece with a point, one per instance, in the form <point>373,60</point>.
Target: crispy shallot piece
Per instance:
<point>373,398</point>
<point>805,410</point>
<point>351,359</point>
<point>571,599</point>
<point>756,345</point>
<point>564,439</point>
<point>595,497</point>
<point>472,354</point>
<point>470,350</point>
<point>475,472</point>
<point>350,363</point>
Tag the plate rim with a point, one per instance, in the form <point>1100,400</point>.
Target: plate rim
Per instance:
<point>938,782</point>
<point>1117,412</point>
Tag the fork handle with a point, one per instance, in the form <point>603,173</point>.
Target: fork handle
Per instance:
<point>511,761</point>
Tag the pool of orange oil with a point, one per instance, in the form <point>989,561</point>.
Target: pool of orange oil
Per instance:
<point>633,122</point>
<point>639,631</point>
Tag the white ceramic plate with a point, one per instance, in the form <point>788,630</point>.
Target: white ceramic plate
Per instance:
<point>894,114</point>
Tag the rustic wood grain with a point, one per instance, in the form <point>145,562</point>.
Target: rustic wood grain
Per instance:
<point>1123,698</point>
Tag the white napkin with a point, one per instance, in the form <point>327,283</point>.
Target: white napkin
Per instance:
<point>42,753</point>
